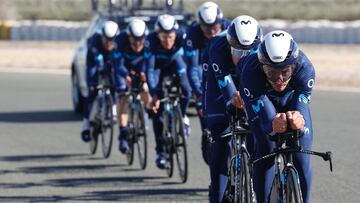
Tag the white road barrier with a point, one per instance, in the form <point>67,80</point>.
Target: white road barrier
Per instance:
<point>320,31</point>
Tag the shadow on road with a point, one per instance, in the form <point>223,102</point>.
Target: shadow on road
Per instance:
<point>101,181</point>
<point>68,168</point>
<point>131,195</point>
<point>40,157</point>
<point>39,116</point>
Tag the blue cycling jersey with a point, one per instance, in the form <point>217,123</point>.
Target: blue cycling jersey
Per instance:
<point>194,46</point>
<point>160,62</point>
<point>98,58</point>
<point>262,103</point>
<point>130,60</point>
<point>218,83</point>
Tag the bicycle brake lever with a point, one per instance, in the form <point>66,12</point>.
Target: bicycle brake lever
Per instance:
<point>330,161</point>
<point>328,157</point>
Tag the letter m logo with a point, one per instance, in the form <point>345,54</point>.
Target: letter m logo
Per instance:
<point>224,83</point>
<point>258,106</point>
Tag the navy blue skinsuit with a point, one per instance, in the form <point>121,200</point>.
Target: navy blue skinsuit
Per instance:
<point>219,88</point>
<point>194,46</point>
<point>161,63</point>
<point>98,59</point>
<point>262,103</point>
<point>129,61</point>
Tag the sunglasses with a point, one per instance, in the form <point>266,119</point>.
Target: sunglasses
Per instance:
<point>274,74</point>
<point>239,53</point>
<point>134,40</point>
<point>209,30</point>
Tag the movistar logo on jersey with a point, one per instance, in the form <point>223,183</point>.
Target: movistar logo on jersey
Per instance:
<point>117,55</point>
<point>258,106</point>
<point>225,82</point>
<point>303,98</point>
<point>147,55</point>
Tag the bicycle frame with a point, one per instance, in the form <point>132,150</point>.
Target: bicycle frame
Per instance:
<point>287,144</point>
<point>238,146</point>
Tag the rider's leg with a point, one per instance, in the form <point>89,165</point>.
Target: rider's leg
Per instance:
<point>157,119</point>
<point>302,162</point>
<point>92,81</point>
<point>219,153</point>
<point>122,113</point>
<point>263,172</point>
<point>145,96</point>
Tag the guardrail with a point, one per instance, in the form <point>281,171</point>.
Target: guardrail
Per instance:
<point>322,31</point>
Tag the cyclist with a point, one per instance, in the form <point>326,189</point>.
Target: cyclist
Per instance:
<point>276,88</point>
<point>222,54</point>
<point>102,56</point>
<point>164,58</point>
<point>209,22</point>
<point>132,66</point>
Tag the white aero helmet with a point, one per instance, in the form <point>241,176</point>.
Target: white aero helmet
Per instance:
<point>137,29</point>
<point>278,49</point>
<point>166,23</point>
<point>244,33</point>
<point>110,30</point>
<point>209,14</point>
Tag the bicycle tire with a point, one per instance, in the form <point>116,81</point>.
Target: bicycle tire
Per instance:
<point>141,137</point>
<point>107,131</point>
<point>293,191</point>
<point>180,145</point>
<point>94,127</point>
<point>245,194</point>
<point>130,136</point>
<point>168,145</point>
<point>93,140</point>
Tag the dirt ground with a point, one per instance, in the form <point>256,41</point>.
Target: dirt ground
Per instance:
<point>337,66</point>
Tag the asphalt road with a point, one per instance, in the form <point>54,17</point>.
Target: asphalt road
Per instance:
<point>42,158</point>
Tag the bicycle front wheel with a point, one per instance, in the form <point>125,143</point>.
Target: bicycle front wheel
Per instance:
<point>131,135</point>
<point>293,192</point>
<point>141,140</point>
<point>107,127</point>
<point>244,176</point>
<point>180,145</point>
<point>93,139</point>
<point>168,144</point>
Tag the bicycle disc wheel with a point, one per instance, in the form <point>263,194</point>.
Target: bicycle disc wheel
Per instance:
<point>141,140</point>
<point>180,145</point>
<point>107,127</point>
<point>293,192</point>
<point>168,145</point>
<point>244,174</point>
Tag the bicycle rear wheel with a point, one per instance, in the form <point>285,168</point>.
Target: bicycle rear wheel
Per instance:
<point>180,145</point>
<point>168,145</point>
<point>293,192</point>
<point>107,127</point>
<point>141,139</point>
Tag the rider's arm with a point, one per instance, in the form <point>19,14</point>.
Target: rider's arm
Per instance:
<point>192,62</point>
<point>303,82</point>
<point>151,74</point>
<point>221,69</point>
<point>121,68</point>
<point>258,106</point>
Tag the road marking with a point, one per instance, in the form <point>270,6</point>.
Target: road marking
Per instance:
<point>36,71</point>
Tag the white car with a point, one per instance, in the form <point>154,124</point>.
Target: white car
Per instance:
<point>79,89</point>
